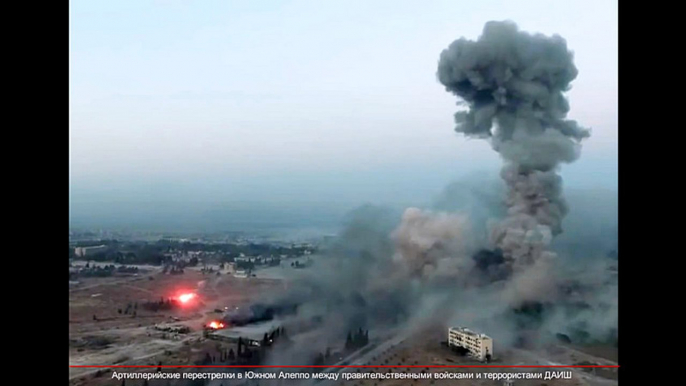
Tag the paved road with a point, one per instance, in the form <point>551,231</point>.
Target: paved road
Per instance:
<point>360,358</point>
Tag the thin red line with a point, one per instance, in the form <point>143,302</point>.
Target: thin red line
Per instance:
<point>341,366</point>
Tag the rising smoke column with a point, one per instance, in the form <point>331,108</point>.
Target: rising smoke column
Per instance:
<point>423,239</point>
<point>513,83</point>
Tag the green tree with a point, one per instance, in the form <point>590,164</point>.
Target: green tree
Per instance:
<point>349,341</point>
<point>319,360</point>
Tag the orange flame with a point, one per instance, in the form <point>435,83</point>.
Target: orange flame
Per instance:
<point>215,325</point>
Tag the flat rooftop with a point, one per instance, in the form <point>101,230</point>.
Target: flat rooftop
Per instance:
<point>252,331</point>
<point>469,332</point>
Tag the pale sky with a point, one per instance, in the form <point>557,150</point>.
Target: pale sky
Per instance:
<point>303,100</point>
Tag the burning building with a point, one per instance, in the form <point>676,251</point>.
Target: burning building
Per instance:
<point>252,335</point>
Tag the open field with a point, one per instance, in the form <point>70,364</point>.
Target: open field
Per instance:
<point>100,335</point>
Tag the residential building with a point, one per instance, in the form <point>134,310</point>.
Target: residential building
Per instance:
<point>478,345</point>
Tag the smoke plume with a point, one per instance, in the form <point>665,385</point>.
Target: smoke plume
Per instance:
<point>397,270</point>
<point>423,238</point>
<point>513,83</point>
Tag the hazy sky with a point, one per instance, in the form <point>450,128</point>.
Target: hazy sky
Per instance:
<point>302,100</point>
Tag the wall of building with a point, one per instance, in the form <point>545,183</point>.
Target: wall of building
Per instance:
<point>478,345</point>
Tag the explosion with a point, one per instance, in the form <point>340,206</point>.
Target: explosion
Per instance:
<point>186,297</point>
<point>423,238</point>
<point>513,83</point>
<point>438,266</point>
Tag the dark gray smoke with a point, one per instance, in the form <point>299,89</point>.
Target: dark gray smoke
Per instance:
<point>513,83</point>
<point>392,271</point>
<point>516,81</point>
<point>403,269</point>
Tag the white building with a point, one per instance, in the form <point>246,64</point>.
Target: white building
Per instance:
<point>89,251</point>
<point>480,346</point>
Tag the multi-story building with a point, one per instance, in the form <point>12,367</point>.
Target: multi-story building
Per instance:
<point>89,251</point>
<point>479,346</point>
